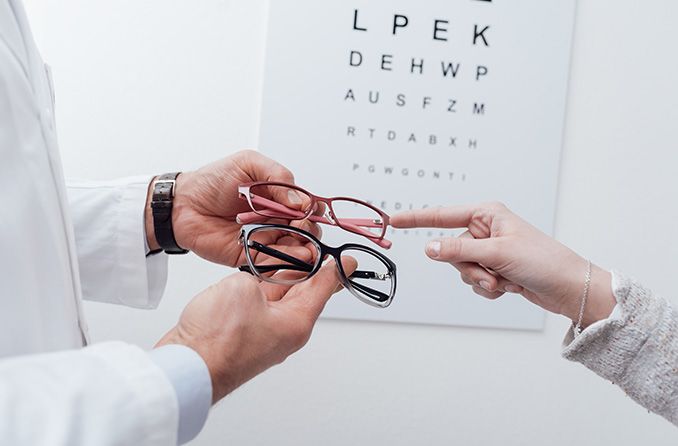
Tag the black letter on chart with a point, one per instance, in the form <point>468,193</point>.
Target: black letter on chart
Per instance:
<point>453,104</point>
<point>351,59</point>
<point>478,109</point>
<point>355,21</point>
<point>419,65</point>
<point>349,95</point>
<point>397,23</point>
<point>400,100</point>
<point>376,97</point>
<point>386,60</point>
<point>450,68</point>
<point>481,71</point>
<point>436,28</point>
<point>480,34</point>
<point>351,132</point>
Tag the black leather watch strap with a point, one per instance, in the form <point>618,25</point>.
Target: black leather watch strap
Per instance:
<point>161,204</point>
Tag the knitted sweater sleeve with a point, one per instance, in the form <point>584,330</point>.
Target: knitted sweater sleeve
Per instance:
<point>636,348</point>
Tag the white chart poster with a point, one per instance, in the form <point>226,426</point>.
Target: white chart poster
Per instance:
<point>408,104</point>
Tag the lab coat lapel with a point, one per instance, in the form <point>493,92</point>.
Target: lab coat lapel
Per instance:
<point>38,74</point>
<point>10,34</point>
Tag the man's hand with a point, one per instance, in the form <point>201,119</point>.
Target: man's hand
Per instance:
<point>241,326</point>
<point>206,203</point>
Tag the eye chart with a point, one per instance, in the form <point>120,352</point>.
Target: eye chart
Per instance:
<point>411,104</point>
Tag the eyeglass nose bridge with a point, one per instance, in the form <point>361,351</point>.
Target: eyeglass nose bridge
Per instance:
<point>328,212</point>
<point>329,215</point>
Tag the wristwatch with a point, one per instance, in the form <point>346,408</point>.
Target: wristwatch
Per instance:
<point>161,205</point>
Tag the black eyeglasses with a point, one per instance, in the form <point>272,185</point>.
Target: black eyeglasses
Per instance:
<point>286,255</point>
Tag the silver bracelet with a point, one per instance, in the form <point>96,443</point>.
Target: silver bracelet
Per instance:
<point>576,328</point>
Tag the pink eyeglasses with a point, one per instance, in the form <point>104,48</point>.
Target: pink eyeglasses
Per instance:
<point>288,201</point>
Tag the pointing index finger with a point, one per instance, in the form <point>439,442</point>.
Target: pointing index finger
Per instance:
<point>438,217</point>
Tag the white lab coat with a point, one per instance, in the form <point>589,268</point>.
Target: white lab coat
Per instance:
<point>53,252</point>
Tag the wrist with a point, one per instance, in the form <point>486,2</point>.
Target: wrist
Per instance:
<point>222,384</point>
<point>600,301</point>
<point>180,207</point>
<point>187,372</point>
<point>148,219</point>
<point>170,202</point>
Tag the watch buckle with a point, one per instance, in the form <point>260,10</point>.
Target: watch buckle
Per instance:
<point>172,182</point>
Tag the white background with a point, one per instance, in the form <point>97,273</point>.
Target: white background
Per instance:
<point>156,85</point>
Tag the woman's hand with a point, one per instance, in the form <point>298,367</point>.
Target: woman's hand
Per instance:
<point>500,252</point>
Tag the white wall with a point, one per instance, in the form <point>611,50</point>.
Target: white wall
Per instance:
<point>156,85</point>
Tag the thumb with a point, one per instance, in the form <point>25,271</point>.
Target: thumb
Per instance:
<point>464,249</point>
<point>261,168</point>
<point>291,197</point>
<point>311,296</point>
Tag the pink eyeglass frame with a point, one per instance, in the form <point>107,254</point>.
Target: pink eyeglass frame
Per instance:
<point>354,225</point>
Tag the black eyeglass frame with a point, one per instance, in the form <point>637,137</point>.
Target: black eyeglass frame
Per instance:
<point>381,300</point>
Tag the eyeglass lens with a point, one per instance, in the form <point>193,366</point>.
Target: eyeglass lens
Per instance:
<point>281,256</point>
<point>373,279</point>
<point>356,217</point>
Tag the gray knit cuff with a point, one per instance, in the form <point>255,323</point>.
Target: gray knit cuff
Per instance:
<point>637,350</point>
<point>607,346</point>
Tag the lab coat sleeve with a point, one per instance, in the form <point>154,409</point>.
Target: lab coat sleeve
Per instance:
<point>192,384</point>
<point>110,238</point>
<point>107,394</point>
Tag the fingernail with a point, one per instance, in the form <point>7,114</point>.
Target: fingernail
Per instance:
<point>485,284</point>
<point>433,249</point>
<point>294,197</point>
<point>513,289</point>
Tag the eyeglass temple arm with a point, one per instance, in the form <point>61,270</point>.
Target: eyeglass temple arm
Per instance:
<point>274,206</point>
<point>272,268</point>
<point>370,291</point>
<point>277,207</point>
<point>358,274</point>
<point>246,218</point>
<point>280,255</point>
<point>386,244</point>
<point>354,223</point>
<point>300,265</point>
